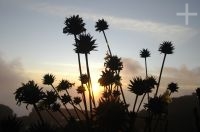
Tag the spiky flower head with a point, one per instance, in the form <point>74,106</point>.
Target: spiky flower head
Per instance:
<point>173,87</point>
<point>50,97</point>
<point>29,93</point>
<point>64,85</point>
<point>80,89</point>
<point>84,78</point>
<point>101,25</point>
<point>107,78</point>
<point>48,79</point>
<point>85,44</point>
<point>113,63</point>
<point>137,86</point>
<point>116,93</point>
<point>144,53</point>
<point>77,100</point>
<point>66,98</point>
<point>166,47</point>
<point>150,83</point>
<point>74,25</point>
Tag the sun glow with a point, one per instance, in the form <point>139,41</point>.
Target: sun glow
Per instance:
<point>97,89</point>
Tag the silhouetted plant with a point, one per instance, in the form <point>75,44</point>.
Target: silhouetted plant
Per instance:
<point>173,87</point>
<point>144,53</point>
<point>113,63</point>
<point>150,83</point>
<point>166,48</point>
<point>137,86</point>
<point>84,45</point>
<point>101,26</point>
<point>30,94</point>
<point>196,110</point>
<point>48,79</point>
<point>107,78</point>
<point>11,124</point>
<point>111,115</point>
<point>75,26</point>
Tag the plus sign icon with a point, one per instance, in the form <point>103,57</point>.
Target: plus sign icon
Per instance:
<point>186,14</point>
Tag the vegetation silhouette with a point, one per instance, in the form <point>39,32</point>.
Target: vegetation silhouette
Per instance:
<point>112,113</point>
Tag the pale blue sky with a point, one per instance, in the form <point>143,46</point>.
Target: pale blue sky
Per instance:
<point>31,35</point>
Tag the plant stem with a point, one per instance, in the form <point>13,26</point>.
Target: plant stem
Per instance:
<point>57,122</point>
<point>72,103</point>
<point>107,43</point>
<point>135,103</point>
<point>38,113</point>
<point>146,66</point>
<point>141,102</point>
<point>160,74</point>
<point>61,100</point>
<point>89,88</point>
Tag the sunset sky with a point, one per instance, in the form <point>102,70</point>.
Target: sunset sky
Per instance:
<point>32,42</point>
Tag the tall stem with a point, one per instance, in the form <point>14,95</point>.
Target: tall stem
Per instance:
<point>160,74</point>
<point>146,66</point>
<point>63,115</point>
<point>61,100</point>
<point>38,113</point>
<point>72,103</point>
<point>79,60</point>
<point>107,43</point>
<point>123,95</point>
<point>57,122</point>
<point>135,103</point>
<point>80,70</point>
<point>89,88</point>
<point>141,102</point>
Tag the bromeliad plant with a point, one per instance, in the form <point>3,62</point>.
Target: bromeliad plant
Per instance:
<point>112,113</point>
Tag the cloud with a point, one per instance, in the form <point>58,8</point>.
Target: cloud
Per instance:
<point>187,79</point>
<point>11,76</point>
<point>157,30</point>
<point>131,69</point>
<point>185,76</point>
